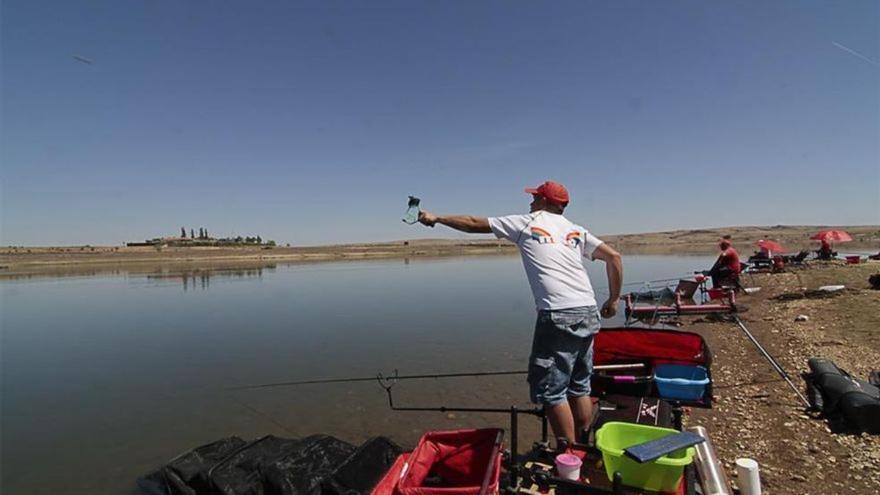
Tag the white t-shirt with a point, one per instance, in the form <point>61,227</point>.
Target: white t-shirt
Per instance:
<point>552,249</point>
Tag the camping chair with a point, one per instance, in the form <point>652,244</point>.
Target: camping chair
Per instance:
<point>796,259</point>
<point>760,263</point>
<point>825,255</point>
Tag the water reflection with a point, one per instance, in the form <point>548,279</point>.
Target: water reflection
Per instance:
<point>200,279</point>
<point>63,272</point>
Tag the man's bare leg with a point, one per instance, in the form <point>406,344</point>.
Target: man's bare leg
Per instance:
<point>561,421</point>
<point>582,411</point>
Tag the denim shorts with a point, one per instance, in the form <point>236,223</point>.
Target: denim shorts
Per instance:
<point>561,361</point>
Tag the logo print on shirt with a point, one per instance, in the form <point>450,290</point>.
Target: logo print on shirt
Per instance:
<point>541,236</point>
<point>573,239</point>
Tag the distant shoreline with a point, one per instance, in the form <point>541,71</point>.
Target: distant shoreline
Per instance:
<point>26,260</point>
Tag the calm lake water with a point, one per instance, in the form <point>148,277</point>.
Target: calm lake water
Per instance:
<point>106,376</point>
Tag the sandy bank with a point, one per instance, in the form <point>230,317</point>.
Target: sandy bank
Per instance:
<point>757,415</point>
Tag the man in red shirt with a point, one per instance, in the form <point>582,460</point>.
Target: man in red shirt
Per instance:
<point>725,271</point>
<point>826,252</point>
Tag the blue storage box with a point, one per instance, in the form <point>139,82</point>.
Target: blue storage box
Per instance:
<point>681,381</point>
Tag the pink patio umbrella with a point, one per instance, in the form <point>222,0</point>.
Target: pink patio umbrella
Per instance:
<point>770,245</point>
<point>832,236</point>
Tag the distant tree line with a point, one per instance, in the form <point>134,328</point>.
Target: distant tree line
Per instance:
<point>248,240</point>
<point>204,236</point>
<point>203,233</point>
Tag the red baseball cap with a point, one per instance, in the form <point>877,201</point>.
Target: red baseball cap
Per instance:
<point>553,192</point>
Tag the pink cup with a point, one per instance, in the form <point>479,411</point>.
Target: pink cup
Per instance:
<point>568,466</point>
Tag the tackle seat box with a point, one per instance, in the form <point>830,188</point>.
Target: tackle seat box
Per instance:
<point>455,462</point>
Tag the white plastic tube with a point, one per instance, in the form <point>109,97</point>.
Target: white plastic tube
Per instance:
<point>713,481</point>
<point>749,479</point>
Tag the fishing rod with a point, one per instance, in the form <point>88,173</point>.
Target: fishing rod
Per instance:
<point>397,377</point>
<point>772,361</point>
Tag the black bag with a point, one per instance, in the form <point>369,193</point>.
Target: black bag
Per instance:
<point>848,403</point>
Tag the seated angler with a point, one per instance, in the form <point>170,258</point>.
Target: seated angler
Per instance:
<point>825,252</point>
<point>725,271</point>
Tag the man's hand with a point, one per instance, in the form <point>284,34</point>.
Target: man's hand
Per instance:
<point>464,223</point>
<point>427,218</point>
<point>609,309</point>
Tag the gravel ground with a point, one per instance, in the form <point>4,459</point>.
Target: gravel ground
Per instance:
<point>758,415</point>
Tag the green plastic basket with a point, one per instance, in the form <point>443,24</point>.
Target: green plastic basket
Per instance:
<point>660,475</point>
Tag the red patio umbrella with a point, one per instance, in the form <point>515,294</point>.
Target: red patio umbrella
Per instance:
<point>770,245</point>
<point>832,236</point>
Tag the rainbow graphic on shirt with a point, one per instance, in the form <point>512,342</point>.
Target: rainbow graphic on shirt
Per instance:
<point>573,239</point>
<point>541,236</point>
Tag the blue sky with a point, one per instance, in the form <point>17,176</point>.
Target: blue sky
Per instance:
<point>310,122</point>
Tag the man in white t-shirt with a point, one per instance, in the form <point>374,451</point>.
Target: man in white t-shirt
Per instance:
<point>552,249</point>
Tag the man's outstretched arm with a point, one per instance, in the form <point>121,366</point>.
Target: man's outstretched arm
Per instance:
<point>464,223</point>
<point>614,270</point>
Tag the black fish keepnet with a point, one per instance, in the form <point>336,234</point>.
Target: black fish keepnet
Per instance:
<point>315,465</point>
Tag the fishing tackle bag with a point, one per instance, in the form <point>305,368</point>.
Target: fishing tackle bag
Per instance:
<point>848,403</point>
